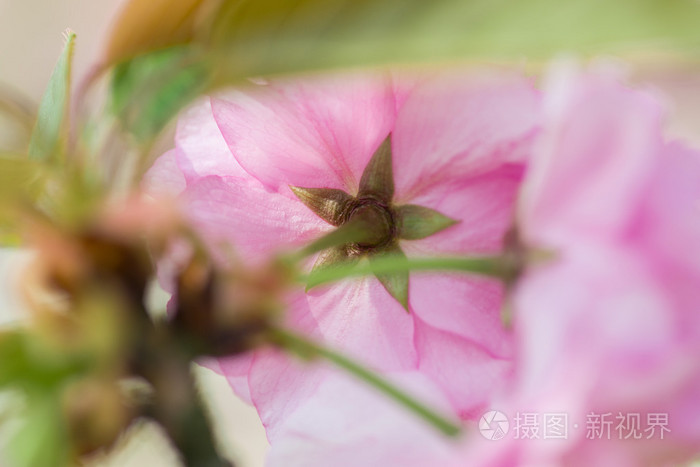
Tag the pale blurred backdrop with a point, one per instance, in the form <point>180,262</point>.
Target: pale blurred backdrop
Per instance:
<point>30,41</point>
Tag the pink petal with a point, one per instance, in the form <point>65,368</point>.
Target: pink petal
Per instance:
<point>254,221</point>
<point>468,372</point>
<point>598,335</point>
<point>594,161</point>
<point>164,178</point>
<point>598,310</point>
<point>318,132</point>
<point>349,424</point>
<point>466,307</point>
<point>201,149</point>
<point>483,205</point>
<point>235,369</point>
<point>667,228</point>
<point>360,318</point>
<point>280,383</point>
<point>668,222</point>
<point>459,125</point>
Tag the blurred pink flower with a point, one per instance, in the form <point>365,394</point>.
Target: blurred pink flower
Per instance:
<point>458,145</point>
<point>347,423</point>
<point>608,328</point>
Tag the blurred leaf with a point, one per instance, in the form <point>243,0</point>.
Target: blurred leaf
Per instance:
<point>51,123</point>
<point>149,90</point>
<point>260,37</point>
<point>21,180</point>
<point>29,363</point>
<point>145,25</point>
<point>17,118</point>
<point>11,353</point>
<point>42,439</point>
<point>264,36</point>
<point>18,175</point>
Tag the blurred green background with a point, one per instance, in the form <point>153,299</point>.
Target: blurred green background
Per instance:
<point>30,43</point>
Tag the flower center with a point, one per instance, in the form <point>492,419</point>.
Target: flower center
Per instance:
<point>377,221</point>
<point>372,220</point>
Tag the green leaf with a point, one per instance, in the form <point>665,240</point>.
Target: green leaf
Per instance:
<point>52,121</point>
<point>150,89</point>
<point>418,222</point>
<point>270,36</point>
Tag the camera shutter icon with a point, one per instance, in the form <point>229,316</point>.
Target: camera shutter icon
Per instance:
<point>494,425</point>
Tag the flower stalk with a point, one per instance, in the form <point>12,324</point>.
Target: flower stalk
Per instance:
<point>490,266</point>
<point>308,349</point>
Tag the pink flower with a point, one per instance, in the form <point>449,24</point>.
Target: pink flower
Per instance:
<point>347,423</point>
<point>608,327</point>
<point>457,144</point>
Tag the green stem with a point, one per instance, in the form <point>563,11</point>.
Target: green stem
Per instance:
<point>308,349</point>
<point>493,266</point>
<point>350,232</point>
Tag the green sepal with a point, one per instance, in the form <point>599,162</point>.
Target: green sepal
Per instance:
<point>327,203</point>
<point>416,222</point>
<point>378,177</point>
<point>396,283</point>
